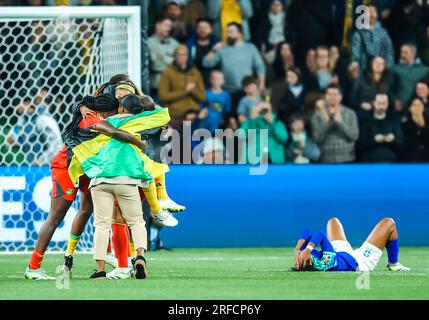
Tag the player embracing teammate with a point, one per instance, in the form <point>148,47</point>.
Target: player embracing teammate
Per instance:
<point>93,121</point>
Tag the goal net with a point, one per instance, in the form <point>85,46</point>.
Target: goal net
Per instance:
<point>51,58</point>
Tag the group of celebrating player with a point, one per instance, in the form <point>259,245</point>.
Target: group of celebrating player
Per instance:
<point>114,197</point>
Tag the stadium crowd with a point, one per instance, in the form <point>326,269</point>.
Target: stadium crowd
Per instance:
<point>328,92</point>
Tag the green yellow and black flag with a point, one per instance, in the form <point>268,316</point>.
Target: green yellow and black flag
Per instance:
<point>101,156</point>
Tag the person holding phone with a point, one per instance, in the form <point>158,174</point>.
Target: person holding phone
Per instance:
<point>261,118</point>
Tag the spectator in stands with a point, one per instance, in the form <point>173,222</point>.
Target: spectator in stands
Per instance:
<point>300,148</point>
<point>381,137</point>
<point>294,96</point>
<point>251,100</point>
<point>284,59</point>
<point>324,74</point>
<point>180,30</point>
<point>422,92</point>
<point>225,12</point>
<point>335,128</point>
<point>37,133</point>
<point>181,86</point>
<point>213,152</point>
<point>374,80</point>
<point>406,24</point>
<point>217,104</point>
<point>407,74</point>
<point>273,26</point>
<point>237,59</point>
<point>262,117</point>
<point>416,133</point>
<point>368,43</point>
<point>309,25</point>
<point>161,51</point>
<point>200,45</point>
<point>24,133</point>
<point>191,122</point>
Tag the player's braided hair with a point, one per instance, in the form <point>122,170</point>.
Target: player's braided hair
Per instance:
<point>101,88</point>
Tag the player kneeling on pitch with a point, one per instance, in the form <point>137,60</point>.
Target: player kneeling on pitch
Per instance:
<point>337,254</point>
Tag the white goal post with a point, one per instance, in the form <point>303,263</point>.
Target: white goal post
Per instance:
<point>130,13</point>
<point>50,57</point>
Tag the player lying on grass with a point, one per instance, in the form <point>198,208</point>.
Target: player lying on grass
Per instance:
<point>64,191</point>
<point>337,254</point>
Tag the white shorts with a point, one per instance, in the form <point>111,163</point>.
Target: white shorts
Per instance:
<point>367,256</point>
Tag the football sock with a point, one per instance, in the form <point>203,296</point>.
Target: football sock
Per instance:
<point>133,251</point>
<point>72,244</point>
<point>161,189</point>
<point>151,198</point>
<point>121,240</point>
<point>392,248</point>
<point>36,259</point>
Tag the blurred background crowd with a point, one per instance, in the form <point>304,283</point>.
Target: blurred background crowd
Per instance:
<point>326,91</point>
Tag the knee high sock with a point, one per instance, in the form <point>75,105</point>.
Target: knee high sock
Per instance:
<point>161,188</point>
<point>392,248</point>
<point>151,197</point>
<point>121,240</point>
<point>132,248</point>
<point>72,244</point>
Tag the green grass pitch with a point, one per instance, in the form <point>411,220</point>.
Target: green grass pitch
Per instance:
<point>241,273</point>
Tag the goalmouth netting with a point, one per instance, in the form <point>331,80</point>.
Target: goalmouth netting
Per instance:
<point>50,58</point>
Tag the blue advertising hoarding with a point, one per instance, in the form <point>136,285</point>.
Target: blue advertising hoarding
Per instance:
<point>228,207</point>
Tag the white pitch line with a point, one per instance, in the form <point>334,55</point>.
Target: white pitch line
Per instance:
<point>218,259</point>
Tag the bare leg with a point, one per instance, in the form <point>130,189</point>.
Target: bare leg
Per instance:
<point>384,231</point>
<point>59,208</point>
<point>335,230</point>
<point>83,215</point>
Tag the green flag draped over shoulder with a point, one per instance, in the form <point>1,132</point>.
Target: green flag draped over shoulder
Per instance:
<point>107,157</point>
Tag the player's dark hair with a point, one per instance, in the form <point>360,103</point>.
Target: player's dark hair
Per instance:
<point>148,103</point>
<point>308,267</point>
<point>119,77</point>
<point>132,103</point>
<point>101,103</point>
<point>102,89</point>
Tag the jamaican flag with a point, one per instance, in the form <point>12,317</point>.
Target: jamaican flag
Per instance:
<point>101,156</point>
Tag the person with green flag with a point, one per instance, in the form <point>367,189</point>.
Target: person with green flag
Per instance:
<point>117,170</point>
